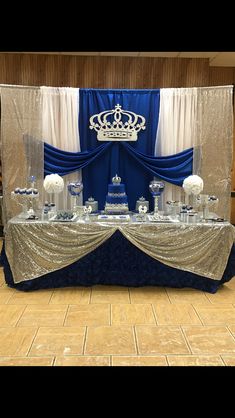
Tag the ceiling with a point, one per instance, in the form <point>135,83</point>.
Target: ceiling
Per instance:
<point>216,59</point>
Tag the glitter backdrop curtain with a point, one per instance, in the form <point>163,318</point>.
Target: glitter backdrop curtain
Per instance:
<point>20,114</point>
<point>214,147</point>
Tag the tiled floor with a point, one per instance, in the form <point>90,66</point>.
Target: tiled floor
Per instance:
<point>115,326</point>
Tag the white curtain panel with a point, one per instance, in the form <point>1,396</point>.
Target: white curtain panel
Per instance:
<point>60,128</point>
<point>176,129</point>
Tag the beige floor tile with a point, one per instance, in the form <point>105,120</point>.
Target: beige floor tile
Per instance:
<point>160,340</point>
<point>187,296</point>
<point>71,295</point>
<point>195,361</point>
<point>2,280</point>
<point>229,360</point>
<point>10,314</point>
<point>58,341</point>
<point>93,314</point>
<point>5,286</point>
<point>82,361</point>
<point>216,314</point>
<point>148,295</point>
<point>130,314</point>
<point>209,339</point>
<point>5,294</point>
<point>176,314</point>
<point>110,340</point>
<point>109,296</point>
<point>230,284</point>
<point>139,361</point>
<point>30,298</point>
<point>16,341</point>
<point>232,329</point>
<point>26,361</point>
<point>43,315</point>
<point>223,295</point>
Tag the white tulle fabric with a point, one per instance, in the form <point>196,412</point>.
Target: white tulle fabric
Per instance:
<point>60,118</point>
<point>176,128</point>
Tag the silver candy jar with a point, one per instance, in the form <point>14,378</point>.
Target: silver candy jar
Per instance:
<point>93,203</point>
<point>141,202</point>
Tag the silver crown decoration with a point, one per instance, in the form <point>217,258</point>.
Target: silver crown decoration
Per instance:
<point>110,126</point>
<point>116,179</point>
<point>90,199</point>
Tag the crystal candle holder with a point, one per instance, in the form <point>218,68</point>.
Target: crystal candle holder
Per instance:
<point>75,189</point>
<point>156,188</point>
<point>206,201</point>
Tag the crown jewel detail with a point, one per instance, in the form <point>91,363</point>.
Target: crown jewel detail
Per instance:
<point>117,124</point>
<point>116,179</point>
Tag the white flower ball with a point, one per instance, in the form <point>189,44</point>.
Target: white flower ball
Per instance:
<point>193,185</point>
<point>53,183</point>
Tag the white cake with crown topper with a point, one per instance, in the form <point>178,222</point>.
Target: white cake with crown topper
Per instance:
<point>116,199</point>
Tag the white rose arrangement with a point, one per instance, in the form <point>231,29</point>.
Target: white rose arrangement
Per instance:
<point>53,183</point>
<point>193,185</point>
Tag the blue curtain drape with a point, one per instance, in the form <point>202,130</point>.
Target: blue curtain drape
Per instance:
<point>173,169</point>
<point>65,162</point>
<point>97,176</point>
<point>134,162</point>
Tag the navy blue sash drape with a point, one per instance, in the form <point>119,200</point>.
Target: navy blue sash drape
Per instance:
<point>173,169</point>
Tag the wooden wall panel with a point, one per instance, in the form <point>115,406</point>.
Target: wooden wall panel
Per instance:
<point>102,72</point>
<point>111,72</point>
<point>221,76</point>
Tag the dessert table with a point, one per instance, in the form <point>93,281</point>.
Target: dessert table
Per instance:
<point>44,254</point>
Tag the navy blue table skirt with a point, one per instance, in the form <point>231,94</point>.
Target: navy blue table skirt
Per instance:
<point>118,262</point>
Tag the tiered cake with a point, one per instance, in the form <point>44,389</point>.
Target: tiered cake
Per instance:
<point>116,199</point>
